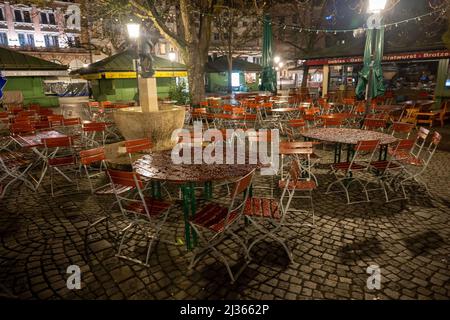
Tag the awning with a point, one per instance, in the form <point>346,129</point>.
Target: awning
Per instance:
<point>122,66</point>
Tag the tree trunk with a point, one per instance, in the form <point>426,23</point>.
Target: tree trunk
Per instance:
<point>230,75</point>
<point>305,76</point>
<point>196,76</point>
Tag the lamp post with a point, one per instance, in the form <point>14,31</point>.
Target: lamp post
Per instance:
<point>280,66</point>
<point>134,33</point>
<point>172,57</point>
<point>277,61</point>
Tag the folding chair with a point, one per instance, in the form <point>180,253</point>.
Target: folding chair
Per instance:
<point>144,214</point>
<point>414,171</point>
<point>402,129</point>
<point>412,156</point>
<point>386,173</point>
<point>136,146</point>
<point>56,121</point>
<point>301,180</point>
<point>94,165</point>
<point>374,124</point>
<point>72,127</point>
<point>215,222</point>
<point>14,166</point>
<point>61,159</point>
<point>268,215</point>
<point>353,171</point>
<point>91,132</point>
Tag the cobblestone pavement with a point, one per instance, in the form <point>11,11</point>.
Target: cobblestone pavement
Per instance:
<point>409,241</point>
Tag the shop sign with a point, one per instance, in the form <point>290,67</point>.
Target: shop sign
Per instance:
<point>390,57</point>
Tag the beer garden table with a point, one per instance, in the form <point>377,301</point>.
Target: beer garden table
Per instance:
<point>159,167</point>
<point>349,137</point>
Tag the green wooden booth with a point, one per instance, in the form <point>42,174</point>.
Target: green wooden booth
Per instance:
<point>114,78</point>
<point>245,75</point>
<point>26,74</point>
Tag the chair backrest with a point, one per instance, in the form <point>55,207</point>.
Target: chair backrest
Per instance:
<point>22,128</point>
<point>55,120</point>
<point>71,122</point>
<point>128,202</point>
<point>94,127</point>
<point>27,113</point>
<point>364,153</point>
<point>374,124</point>
<point>402,128</point>
<point>125,179</point>
<point>431,150</point>
<point>333,122</point>
<point>45,112</point>
<point>59,142</point>
<point>138,145</point>
<point>88,157</point>
<point>239,196</point>
<point>420,142</point>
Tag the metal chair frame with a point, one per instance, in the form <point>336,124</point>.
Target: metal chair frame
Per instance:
<point>360,164</point>
<point>210,238</point>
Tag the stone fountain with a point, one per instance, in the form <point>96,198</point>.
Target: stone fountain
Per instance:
<point>149,120</point>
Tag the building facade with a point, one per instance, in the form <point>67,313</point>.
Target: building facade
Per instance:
<point>52,33</point>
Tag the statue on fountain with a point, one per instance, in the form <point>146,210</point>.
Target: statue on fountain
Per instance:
<point>146,56</point>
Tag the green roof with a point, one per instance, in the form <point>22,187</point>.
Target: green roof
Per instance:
<point>220,64</point>
<point>124,62</point>
<point>13,60</point>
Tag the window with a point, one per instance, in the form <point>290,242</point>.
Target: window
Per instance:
<point>3,39</point>
<point>162,48</point>
<point>51,41</point>
<point>22,40</point>
<point>55,41</point>
<point>18,15</point>
<point>44,19</point>
<point>295,19</point>
<point>51,18</point>
<point>216,36</point>
<point>27,16</point>
<point>244,23</point>
<point>235,79</point>
<point>2,16</point>
<point>30,40</point>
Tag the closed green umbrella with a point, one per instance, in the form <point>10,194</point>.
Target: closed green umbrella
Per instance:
<point>268,77</point>
<point>376,86</point>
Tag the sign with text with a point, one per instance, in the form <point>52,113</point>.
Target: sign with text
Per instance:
<point>429,55</point>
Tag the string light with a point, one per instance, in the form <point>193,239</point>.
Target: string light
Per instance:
<point>361,29</point>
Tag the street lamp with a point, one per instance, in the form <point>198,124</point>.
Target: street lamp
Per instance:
<point>134,33</point>
<point>277,59</point>
<point>172,57</point>
<point>280,66</point>
<point>376,6</point>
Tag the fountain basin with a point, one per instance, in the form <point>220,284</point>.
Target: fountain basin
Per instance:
<point>158,125</point>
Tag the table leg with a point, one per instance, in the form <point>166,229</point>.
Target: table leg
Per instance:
<point>350,152</point>
<point>337,152</point>
<point>189,209</point>
<point>208,190</point>
<point>156,189</point>
<point>383,152</point>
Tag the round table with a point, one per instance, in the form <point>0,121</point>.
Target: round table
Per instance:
<point>159,167</point>
<point>349,137</point>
